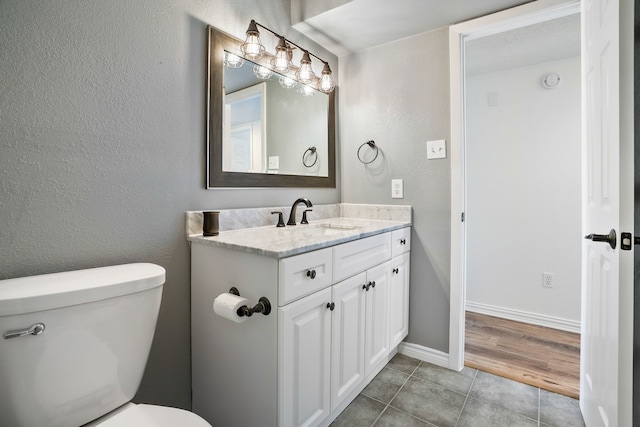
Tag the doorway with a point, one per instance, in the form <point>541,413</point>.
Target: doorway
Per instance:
<point>523,202</point>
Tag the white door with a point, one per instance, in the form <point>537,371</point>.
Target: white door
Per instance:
<point>399,299</point>
<point>599,353</point>
<point>377,324</point>
<point>347,335</point>
<point>305,357</point>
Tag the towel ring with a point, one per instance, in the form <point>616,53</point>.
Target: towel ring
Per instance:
<point>371,144</point>
<point>313,151</point>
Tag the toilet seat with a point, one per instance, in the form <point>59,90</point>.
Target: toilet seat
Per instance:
<point>143,415</point>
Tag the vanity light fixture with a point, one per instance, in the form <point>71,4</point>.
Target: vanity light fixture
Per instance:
<point>282,61</point>
<point>253,49</point>
<point>305,73</point>
<point>326,84</point>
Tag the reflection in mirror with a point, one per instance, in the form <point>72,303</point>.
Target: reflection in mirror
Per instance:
<point>297,120</point>
<point>261,130</point>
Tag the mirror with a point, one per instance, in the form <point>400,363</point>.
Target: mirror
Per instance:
<point>261,134</point>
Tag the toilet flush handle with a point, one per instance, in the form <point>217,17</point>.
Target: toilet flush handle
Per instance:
<point>36,329</point>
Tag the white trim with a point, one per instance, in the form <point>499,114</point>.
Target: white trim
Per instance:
<point>525,317</point>
<point>528,14</point>
<point>435,357</point>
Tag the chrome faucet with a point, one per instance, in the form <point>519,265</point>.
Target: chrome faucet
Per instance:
<point>292,216</point>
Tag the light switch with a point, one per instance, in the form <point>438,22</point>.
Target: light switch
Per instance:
<point>436,149</point>
<point>397,189</point>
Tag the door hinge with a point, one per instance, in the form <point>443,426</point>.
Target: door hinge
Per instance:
<point>462,217</point>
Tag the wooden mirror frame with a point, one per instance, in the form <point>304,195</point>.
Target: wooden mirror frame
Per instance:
<point>216,177</point>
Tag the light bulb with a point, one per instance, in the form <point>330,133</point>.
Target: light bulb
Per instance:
<point>262,72</point>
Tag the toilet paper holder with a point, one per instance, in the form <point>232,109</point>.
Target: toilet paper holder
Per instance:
<point>263,306</point>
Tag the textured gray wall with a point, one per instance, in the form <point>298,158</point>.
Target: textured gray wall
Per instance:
<point>102,146</point>
<point>398,95</point>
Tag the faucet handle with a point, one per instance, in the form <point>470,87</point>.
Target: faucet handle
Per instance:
<point>304,216</point>
<point>280,219</point>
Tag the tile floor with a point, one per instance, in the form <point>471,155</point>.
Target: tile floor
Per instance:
<point>408,392</point>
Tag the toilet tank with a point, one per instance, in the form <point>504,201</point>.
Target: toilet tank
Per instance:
<point>98,328</point>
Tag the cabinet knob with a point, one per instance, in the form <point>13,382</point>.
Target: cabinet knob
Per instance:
<point>395,270</point>
<point>373,284</point>
<point>331,305</point>
<point>369,285</point>
<point>403,242</point>
<point>311,274</point>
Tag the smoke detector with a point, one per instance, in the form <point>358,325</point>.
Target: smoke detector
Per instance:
<point>550,80</point>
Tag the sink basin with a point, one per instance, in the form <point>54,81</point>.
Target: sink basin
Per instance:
<point>326,229</point>
<point>337,226</point>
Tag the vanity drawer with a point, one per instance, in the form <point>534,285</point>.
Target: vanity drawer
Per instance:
<point>357,256</point>
<point>400,241</point>
<point>304,274</point>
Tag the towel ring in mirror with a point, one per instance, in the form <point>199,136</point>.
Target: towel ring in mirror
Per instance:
<point>311,151</point>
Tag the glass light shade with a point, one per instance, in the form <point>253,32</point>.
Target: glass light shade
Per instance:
<point>232,61</point>
<point>252,48</point>
<point>282,60</point>
<point>287,82</point>
<point>306,90</point>
<point>262,72</point>
<point>305,72</point>
<point>326,84</point>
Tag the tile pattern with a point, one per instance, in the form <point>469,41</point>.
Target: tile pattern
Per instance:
<point>408,392</point>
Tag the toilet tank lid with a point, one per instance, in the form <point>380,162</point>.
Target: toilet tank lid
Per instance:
<point>48,291</point>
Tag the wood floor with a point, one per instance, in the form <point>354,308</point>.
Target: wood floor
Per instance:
<point>534,355</point>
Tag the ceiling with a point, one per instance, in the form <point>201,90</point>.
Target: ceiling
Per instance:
<point>543,42</point>
<point>354,25</point>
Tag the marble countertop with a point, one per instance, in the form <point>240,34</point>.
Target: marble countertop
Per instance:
<point>292,240</point>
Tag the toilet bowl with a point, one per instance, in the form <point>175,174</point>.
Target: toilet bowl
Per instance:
<point>74,347</point>
<point>149,416</point>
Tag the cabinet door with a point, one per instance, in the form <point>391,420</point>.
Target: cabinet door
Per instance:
<point>304,341</point>
<point>348,330</point>
<point>377,323</point>
<point>399,300</point>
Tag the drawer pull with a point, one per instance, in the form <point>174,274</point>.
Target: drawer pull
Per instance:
<point>403,242</point>
<point>311,274</point>
<point>331,305</point>
<point>369,285</point>
<point>395,270</point>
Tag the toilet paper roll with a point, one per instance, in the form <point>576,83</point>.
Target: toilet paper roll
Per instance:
<point>226,305</point>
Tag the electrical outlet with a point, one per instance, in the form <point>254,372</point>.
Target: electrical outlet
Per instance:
<point>547,280</point>
<point>397,190</point>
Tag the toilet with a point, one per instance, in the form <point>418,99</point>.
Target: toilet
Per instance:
<point>74,347</point>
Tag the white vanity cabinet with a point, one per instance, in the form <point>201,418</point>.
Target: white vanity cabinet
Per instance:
<point>338,315</point>
<point>399,287</point>
<point>305,360</point>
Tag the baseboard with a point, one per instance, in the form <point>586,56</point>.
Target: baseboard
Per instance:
<point>435,357</point>
<point>525,317</point>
